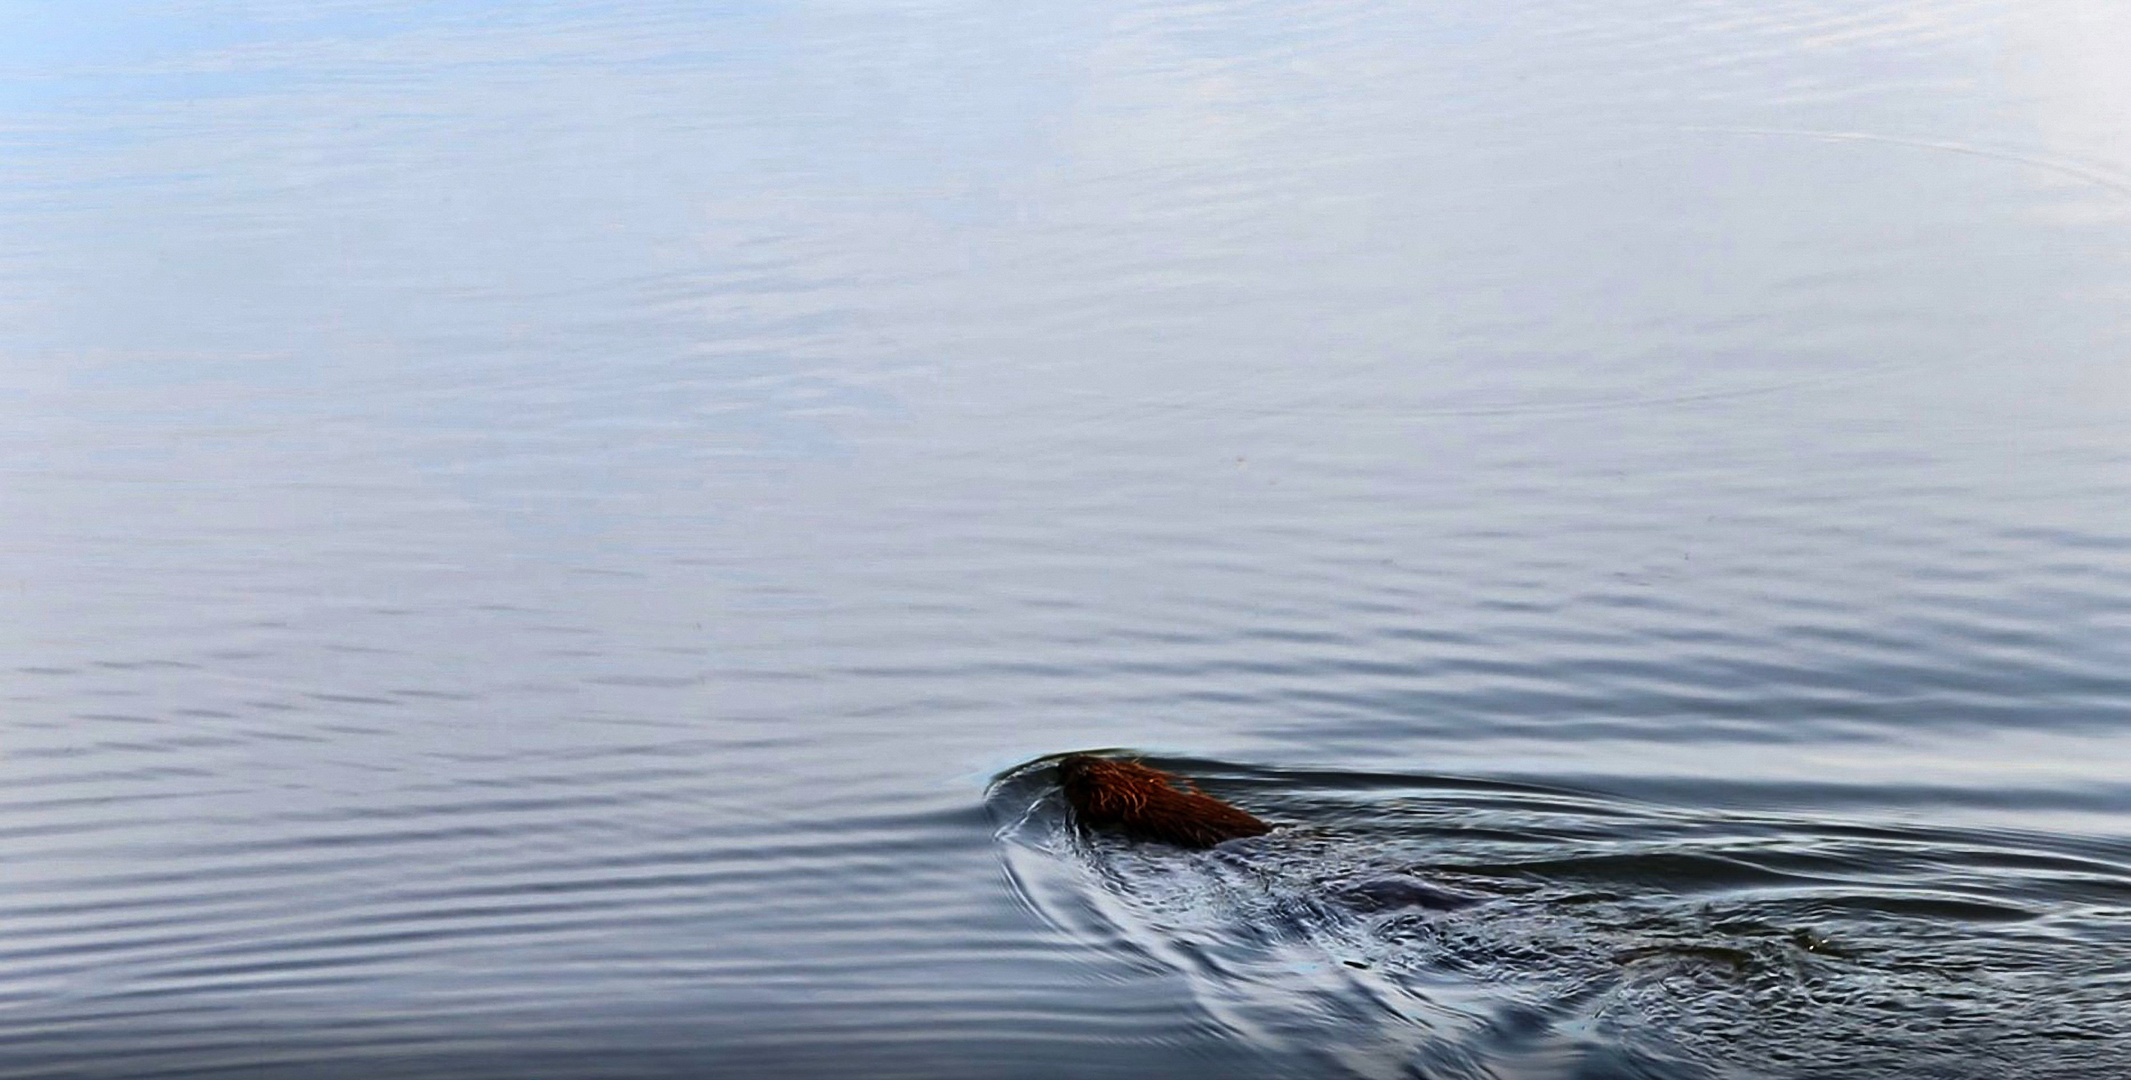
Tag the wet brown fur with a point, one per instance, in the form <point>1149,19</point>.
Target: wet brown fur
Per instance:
<point>1148,804</point>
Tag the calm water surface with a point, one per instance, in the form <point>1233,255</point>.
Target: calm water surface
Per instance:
<point>554,540</point>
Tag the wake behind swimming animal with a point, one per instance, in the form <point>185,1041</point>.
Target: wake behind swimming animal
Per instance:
<point>1145,803</point>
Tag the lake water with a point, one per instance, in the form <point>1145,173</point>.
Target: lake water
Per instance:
<point>553,540</point>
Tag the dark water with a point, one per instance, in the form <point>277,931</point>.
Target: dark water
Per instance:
<point>540,537</point>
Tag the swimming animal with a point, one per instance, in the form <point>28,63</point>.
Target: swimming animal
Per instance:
<point>1146,803</point>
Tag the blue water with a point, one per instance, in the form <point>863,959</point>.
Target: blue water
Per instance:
<point>555,539</point>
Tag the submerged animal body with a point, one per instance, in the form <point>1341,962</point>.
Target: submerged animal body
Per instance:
<point>1145,803</point>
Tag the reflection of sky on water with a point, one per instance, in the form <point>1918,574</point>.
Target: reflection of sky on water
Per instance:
<point>651,462</point>
<point>548,256</point>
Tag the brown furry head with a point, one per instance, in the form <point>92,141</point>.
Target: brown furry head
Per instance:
<point>1149,804</point>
